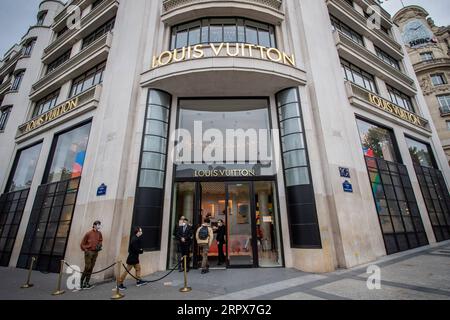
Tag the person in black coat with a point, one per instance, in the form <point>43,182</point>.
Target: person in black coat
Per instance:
<point>134,250</point>
<point>221,241</point>
<point>184,235</point>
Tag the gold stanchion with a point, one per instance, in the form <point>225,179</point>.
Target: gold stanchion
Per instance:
<point>28,284</point>
<point>186,288</point>
<point>118,295</point>
<point>58,291</point>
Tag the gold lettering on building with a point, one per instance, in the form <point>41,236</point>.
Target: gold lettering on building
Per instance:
<point>50,115</point>
<point>224,173</point>
<point>395,110</point>
<point>223,49</point>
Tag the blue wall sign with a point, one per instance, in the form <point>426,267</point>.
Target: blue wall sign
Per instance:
<point>344,172</point>
<point>348,187</point>
<point>101,191</point>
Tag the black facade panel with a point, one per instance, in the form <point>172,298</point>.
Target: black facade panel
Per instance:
<point>306,235</point>
<point>147,214</point>
<point>149,197</point>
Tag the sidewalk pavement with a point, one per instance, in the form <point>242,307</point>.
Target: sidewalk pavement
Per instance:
<point>419,274</point>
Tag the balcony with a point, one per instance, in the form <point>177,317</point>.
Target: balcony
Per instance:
<point>344,11</point>
<point>370,102</point>
<point>432,64</point>
<point>68,110</point>
<point>176,11</point>
<point>169,5</point>
<point>64,14</point>
<point>93,54</point>
<point>103,12</point>
<point>348,49</point>
<point>9,66</point>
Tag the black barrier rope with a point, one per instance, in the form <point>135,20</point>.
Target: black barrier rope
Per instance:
<point>152,281</point>
<point>92,273</point>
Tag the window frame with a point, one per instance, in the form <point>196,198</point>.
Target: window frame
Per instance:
<point>80,80</point>
<point>5,112</point>
<point>441,76</point>
<point>345,29</point>
<point>364,75</point>
<point>204,25</point>
<point>17,81</point>
<point>397,94</point>
<point>51,98</point>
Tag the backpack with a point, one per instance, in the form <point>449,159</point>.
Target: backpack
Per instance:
<point>203,234</point>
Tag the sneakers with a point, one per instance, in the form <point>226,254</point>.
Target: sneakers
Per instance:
<point>141,283</point>
<point>205,271</point>
<point>122,287</point>
<point>87,286</point>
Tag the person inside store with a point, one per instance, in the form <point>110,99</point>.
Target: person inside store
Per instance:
<point>220,231</point>
<point>184,236</point>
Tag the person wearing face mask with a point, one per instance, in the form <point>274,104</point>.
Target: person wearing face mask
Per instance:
<point>220,237</point>
<point>91,245</point>
<point>134,250</point>
<point>184,237</point>
<point>175,232</point>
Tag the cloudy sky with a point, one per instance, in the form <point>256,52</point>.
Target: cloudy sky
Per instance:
<point>17,15</point>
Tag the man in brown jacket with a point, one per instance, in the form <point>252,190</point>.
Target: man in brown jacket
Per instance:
<point>91,246</point>
<point>205,237</point>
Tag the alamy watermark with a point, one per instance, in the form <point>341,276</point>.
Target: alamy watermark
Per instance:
<point>374,280</point>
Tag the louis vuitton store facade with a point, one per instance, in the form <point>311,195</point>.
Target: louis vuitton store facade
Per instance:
<point>251,112</point>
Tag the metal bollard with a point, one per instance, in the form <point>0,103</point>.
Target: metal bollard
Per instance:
<point>28,284</point>
<point>58,291</point>
<point>118,295</point>
<point>186,288</point>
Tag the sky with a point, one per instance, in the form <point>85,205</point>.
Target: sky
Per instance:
<point>17,15</point>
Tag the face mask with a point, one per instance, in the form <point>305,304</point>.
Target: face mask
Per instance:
<point>98,228</point>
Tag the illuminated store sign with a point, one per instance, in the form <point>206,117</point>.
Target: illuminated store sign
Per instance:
<point>222,49</point>
<point>224,173</point>
<point>49,116</point>
<point>396,110</point>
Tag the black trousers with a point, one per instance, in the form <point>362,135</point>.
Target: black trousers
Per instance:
<point>185,250</point>
<point>221,253</point>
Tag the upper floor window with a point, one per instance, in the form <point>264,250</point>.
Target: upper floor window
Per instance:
<point>107,27</point>
<point>28,47</point>
<point>387,58</point>
<point>41,18</point>
<point>59,61</point>
<point>400,99</point>
<point>358,76</point>
<point>46,103</point>
<point>4,115</point>
<point>17,80</point>
<point>444,102</point>
<point>345,29</point>
<point>217,30</point>
<point>427,56</point>
<point>88,80</point>
<point>438,79</point>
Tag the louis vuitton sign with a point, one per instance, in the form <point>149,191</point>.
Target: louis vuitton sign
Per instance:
<point>222,50</point>
<point>397,111</point>
<point>49,116</point>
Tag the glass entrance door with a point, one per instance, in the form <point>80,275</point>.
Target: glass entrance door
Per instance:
<point>251,222</point>
<point>241,232</point>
